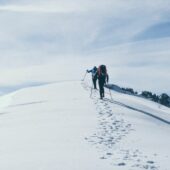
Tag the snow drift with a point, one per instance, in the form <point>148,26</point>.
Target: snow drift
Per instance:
<point>58,126</point>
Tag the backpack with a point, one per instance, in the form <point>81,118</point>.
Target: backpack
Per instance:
<point>102,71</point>
<point>102,74</point>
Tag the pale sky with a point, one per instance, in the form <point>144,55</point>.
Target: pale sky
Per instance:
<point>128,35</point>
<point>79,26</point>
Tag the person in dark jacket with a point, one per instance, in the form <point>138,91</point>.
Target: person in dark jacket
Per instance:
<point>103,78</point>
<point>93,71</point>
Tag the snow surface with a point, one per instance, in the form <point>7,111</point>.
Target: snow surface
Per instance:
<point>58,126</point>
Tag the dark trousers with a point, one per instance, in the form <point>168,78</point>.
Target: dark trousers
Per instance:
<point>94,82</point>
<point>101,89</point>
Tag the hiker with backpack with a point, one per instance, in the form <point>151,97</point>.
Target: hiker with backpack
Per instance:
<point>93,71</point>
<point>103,78</point>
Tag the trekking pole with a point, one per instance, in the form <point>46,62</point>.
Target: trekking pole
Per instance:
<point>84,77</point>
<point>110,94</point>
<point>91,92</point>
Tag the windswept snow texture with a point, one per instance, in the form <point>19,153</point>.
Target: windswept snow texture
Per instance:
<point>132,132</point>
<point>59,127</point>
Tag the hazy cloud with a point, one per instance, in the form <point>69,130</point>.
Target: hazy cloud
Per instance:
<point>129,34</point>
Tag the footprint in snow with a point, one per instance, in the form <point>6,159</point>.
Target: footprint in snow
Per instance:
<point>112,129</point>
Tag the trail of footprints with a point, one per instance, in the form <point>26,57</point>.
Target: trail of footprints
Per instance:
<point>112,128</point>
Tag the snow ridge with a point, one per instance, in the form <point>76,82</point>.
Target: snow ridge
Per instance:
<point>112,130</point>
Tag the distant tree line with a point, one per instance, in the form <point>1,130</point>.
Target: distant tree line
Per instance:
<point>163,99</point>
<point>129,90</point>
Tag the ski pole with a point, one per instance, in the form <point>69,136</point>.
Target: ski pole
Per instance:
<point>84,76</point>
<point>91,92</point>
<point>110,94</point>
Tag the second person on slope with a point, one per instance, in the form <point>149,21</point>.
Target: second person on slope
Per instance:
<point>94,76</point>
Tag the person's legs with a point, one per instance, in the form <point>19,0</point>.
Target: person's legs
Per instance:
<point>94,83</point>
<point>101,89</point>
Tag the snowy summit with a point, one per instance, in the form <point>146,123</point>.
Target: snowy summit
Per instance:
<point>52,127</point>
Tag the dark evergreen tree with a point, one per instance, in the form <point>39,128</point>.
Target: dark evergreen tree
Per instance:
<point>164,99</point>
<point>147,94</point>
<point>155,98</point>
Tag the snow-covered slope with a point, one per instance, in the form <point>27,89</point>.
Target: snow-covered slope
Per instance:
<point>58,126</point>
<point>132,132</point>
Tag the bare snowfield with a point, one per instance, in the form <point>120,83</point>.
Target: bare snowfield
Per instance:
<point>58,126</point>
